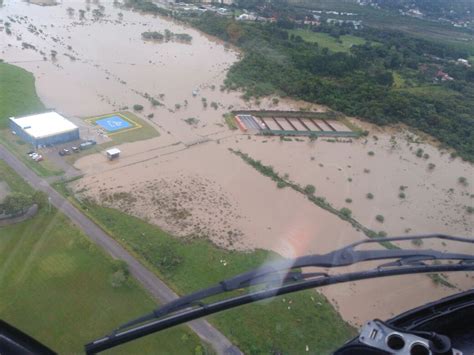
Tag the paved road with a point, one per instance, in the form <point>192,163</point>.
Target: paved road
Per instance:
<point>148,280</point>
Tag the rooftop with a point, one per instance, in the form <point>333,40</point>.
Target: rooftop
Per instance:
<point>44,124</point>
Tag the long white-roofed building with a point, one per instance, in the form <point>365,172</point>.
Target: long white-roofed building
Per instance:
<point>44,129</point>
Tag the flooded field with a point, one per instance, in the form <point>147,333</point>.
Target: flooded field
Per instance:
<point>213,192</point>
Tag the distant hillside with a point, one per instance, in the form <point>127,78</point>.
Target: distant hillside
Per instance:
<point>448,9</point>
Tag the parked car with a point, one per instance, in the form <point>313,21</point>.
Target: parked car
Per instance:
<point>39,158</point>
<point>87,144</point>
<point>34,155</point>
<point>75,149</point>
<point>30,152</point>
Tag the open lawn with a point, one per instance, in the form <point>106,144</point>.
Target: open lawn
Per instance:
<point>57,286</point>
<point>15,183</point>
<point>343,44</point>
<point>284,324</point>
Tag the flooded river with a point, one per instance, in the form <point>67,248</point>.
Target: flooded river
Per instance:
<point>219,195</point>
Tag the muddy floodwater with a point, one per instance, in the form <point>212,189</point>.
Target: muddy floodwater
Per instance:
<point>103,65</point>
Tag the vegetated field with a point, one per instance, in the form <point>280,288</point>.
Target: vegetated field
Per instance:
<point>17,93</point>
<point>324,40</point>
<point>18,98</point>
<point>56,286</point>
<point>284,324</point>
<point>377,18</point>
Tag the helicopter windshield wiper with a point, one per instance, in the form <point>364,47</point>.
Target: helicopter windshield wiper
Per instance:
<point>286,276</point>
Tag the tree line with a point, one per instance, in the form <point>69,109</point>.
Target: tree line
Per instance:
<point>359,83</point>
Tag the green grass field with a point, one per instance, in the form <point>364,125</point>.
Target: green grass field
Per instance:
<point>326,41</point>
<point>56,285</point>
<point>422,28</point>
<point>17,93</point>
<point>188,265</point>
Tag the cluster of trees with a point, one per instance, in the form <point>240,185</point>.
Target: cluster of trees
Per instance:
<point>167,36</point>
<point>359,83</point>
<point>18,203</point>
<point>146,6</point>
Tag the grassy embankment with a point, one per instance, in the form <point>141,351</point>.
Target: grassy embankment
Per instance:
<point>58,287</point>
<point>18,98</point>
<point>284,324</point>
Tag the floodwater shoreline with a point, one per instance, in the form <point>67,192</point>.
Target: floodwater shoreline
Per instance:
<point>215,192</point>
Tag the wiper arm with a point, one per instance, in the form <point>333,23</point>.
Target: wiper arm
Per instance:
<point>285,276</point>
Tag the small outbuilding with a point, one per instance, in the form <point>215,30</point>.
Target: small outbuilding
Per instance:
<point>113,153</point>
<point>44,129</point>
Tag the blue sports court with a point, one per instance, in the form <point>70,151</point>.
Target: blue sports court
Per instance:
<point>113,123</point>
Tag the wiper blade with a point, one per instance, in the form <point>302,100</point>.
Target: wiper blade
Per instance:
<point>285,276</point>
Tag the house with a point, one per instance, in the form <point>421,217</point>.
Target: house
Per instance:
<point>441,75</point>
<point>464,62</point>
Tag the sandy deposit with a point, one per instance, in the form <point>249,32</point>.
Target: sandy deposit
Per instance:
<point>187,181</point>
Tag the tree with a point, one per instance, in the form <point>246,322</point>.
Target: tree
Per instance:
<point>309,189</point>
<point>346,212</point>
<point>370,196</point>
<point>137,107</point>
<point>234,31</point>
<point>16,203</point>
<point>82,14</point>
<point>313,136</point>
<point>380,218</point>
<point>70,11</point>
<point>462,180</point>
<point>40,198</point>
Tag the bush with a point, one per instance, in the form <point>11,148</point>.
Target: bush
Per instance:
<point>431,166</point>
<point>462,180</point>
<point>40,198</point>
<point>419,152</point>
<point>371,153</point>
<point>470,209</point>
<point>309,189</point>
<point>137,107</point>
<point>120,265</point>
<point>16,203</point>
<point>117,279</point>
<point>401,195</point>
<point>348,200</point>
<point>281,184</point>
<point>370,196</point>
<point>417,242</point>
<point>346,212</point>
<point>380,218</point>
